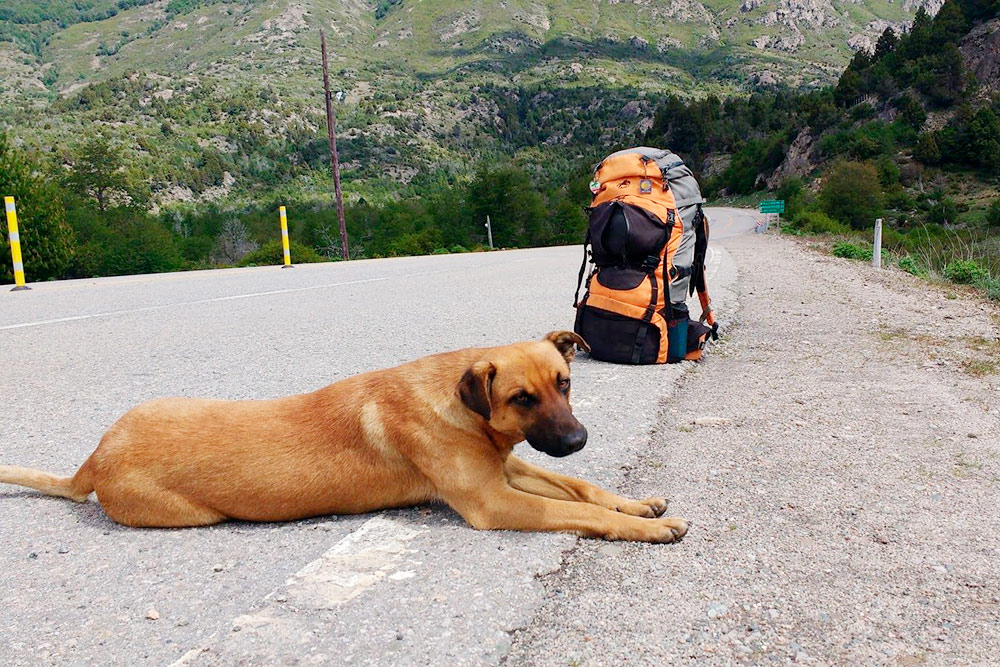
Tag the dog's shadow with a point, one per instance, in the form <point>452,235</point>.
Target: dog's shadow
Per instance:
<point>90,515</point>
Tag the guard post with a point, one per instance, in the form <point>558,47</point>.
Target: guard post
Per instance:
<point>284,239</point>
<point>15,244</point>
<point>877,245</point>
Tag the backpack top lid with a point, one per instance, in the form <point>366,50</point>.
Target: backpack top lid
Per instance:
<point>673,174</point>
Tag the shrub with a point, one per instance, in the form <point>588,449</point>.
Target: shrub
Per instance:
<point>909,264</point>
<point>965,272</point>
<point>271,254</point>
<point>851,251</point>
<point>943,212</point>
<point>817,222</point>
<point>993,214</point>
<point>439,251</point>
<point>458,248</point>
<point>992,288</point>
<point>892,239</point>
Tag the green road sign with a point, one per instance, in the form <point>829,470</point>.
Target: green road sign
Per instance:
<point>772,206</point>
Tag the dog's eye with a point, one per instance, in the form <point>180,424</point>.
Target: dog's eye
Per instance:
<point>524,399</point>
<point>564,385</point>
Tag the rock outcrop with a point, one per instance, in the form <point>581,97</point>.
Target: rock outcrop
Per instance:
<point>981,50</point>
<point>801,159</point>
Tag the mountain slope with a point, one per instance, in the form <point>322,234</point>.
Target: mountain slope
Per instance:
<point>230,89</point>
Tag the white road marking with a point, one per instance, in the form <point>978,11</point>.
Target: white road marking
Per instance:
<point>713,260</point>
<point>356,563</point>
<point>370,554</point>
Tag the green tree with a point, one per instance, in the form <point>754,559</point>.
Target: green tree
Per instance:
<point>984,137</point>
<point>927,150</point>
<point>47,243</point>
<point>98,170</point>
<point>853,194</point>
<point>517,211</point>
<point>911,112</point>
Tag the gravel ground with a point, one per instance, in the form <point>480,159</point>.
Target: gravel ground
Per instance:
<point>844,494</point>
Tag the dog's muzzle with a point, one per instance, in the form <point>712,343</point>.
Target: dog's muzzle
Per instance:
<point>560,445</point>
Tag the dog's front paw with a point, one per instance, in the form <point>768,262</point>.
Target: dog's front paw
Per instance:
<point>646,509</point>
<point>656,505</point>
<point>670,530</point>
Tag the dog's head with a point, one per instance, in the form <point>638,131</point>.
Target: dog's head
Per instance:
<point>522,391</point>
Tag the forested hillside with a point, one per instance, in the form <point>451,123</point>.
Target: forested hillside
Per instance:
<point>149,136</point>
<point>910,133</point>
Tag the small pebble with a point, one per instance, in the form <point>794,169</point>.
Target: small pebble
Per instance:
<point>717,610</point>
<point>152,614</point>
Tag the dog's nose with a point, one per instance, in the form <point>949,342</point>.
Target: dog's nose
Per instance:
<point>575,440</point>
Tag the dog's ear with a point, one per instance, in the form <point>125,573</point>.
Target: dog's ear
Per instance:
<point>565,342</point>
<point>476,386</point>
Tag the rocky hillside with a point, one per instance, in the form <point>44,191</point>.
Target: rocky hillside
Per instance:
<point>217,97</point>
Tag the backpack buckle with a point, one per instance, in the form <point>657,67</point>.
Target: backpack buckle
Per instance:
<point>650,263</point>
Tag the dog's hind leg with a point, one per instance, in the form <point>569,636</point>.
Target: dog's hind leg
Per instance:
<point>541,482</point>
<point>139,505</point>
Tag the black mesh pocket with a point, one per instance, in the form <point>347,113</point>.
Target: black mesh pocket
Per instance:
<point>616,338</point>
<point>620,278</point>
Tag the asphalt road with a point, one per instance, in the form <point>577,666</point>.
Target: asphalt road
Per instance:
<point>407,587</point>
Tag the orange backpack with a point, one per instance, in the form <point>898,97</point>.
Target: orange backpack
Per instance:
<point>648,237</point>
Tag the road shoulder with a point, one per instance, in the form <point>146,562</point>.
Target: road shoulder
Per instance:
<point>843,502</point>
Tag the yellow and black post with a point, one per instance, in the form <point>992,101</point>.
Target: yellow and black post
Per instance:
<point>284,239</point>
<point>15,244</point>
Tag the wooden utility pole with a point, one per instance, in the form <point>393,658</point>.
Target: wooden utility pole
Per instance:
<point>331,128</point>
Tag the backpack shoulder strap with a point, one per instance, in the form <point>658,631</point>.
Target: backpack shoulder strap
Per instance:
<point>583,269</point>
<point>698,280</point>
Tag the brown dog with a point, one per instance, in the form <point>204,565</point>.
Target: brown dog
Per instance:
<point>439,428</point>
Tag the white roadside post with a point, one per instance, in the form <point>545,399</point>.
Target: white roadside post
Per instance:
<point>877,250</point>
<point>489,231</point>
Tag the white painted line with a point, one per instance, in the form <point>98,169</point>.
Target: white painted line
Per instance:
<point>713,261</point>
<point>146,309</point>
<point>360,560</point>
<point>356,563</point>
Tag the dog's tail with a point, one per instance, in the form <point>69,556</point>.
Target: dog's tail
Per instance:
<point>77,487</point>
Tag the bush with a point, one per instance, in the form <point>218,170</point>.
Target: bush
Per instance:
<point>458,248</point>
<point>965,272</point>
<point>851,251</point>
<point>909,264</point>
<point>817,222</point>
<point>993,214</point>
<point>943,212</point>
<point>271,253</point>
<point>992,288</point>
<point>892,239</point>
